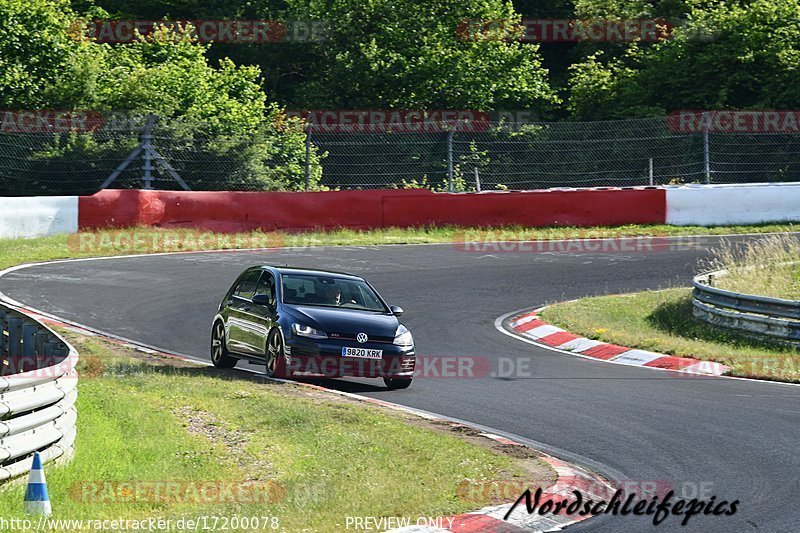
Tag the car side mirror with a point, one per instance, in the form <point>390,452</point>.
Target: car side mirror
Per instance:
<point>263,299</point>
<point>396,311</point>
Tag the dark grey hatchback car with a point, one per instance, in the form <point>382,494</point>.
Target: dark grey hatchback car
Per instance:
<point>312,323</point>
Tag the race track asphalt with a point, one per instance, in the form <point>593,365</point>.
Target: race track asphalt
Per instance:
<point>735,439</point>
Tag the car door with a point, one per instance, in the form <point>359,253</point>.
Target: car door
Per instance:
<point>261,318</point>
<point>239,321</point>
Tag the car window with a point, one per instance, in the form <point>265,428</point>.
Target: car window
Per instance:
<point>330,291</point>
<point>367,297</point>
<point>247,285</point>
<point>297,289</point>
<point>266,286</point>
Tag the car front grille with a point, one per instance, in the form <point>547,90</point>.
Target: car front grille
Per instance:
<point>352,337</point>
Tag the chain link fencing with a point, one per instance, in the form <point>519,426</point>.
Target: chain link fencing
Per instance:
<point>483,156</point>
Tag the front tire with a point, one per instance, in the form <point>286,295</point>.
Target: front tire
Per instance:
<point>220,357</point>
<point>276,358</point>
<point>396,383</point>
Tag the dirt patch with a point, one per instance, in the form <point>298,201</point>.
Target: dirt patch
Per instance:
<point>234,441</point>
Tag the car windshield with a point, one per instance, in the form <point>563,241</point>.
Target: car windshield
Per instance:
<point>330,291</point>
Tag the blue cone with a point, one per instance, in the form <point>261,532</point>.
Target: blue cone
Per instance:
<point>37,501</point>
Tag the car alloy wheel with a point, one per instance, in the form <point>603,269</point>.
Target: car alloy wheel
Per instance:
<point>219,351</point>
<point>276,361</point>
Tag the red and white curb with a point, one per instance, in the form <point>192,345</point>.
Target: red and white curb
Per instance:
<point>530,326</point>
<point>490,519</point>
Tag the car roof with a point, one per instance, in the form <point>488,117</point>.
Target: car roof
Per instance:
<point>310,271</point>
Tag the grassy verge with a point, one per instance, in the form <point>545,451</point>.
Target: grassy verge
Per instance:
<point>769,266</point>
<point>662,321</point>
<point>307,458</point>
<point>149,240</point>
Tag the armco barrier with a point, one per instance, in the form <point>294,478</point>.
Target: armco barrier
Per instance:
<point>720,205</point>
<point>239,211</point>
<point>40,215</point>
<point>748,313</point>
<point>38,388</point>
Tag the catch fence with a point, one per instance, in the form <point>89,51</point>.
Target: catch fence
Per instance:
<point>164,154</point>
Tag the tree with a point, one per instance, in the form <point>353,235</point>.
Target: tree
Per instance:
<point>35,44</point>
<point>402,54</point>
<point>207,113</point>
<point>377,54</point>
<point>726,56</point>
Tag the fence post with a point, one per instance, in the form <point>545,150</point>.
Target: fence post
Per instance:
<point>706,155</point>
<point>450,136</point>
<point>650,168</point>
<point>151,155</point>
<point>477,180</point>
<point>147,137</point>
<point>308,156</point>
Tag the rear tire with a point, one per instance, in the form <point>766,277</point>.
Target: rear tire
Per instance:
<point>397,383</point>
<point>220,357</point>
<point>276,358</point>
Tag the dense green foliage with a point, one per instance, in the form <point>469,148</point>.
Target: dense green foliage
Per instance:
<point>47,63</point>
<point>402,54</point>
<point>733,55</point>
<point>34,47</point>
<point>376,54</point>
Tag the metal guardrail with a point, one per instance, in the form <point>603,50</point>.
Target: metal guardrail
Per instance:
<point>38,388</point>
<point>760,315</point>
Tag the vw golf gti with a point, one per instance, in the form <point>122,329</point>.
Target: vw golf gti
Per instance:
<point>312,323</point>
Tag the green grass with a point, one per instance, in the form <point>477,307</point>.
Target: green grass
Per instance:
<point>769,266</point>
<point>661,321</point>
<point>324,457</point>
<point>121,242</point>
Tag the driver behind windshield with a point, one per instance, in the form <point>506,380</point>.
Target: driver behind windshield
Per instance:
<point>332,294</point>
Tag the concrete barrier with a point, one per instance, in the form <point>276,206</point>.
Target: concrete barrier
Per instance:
<point>242,211</point>
<point>38,215</point>
<point>720,205</point>
<point>237,211</point>
<point>551,207</point>
<point>704,205</point>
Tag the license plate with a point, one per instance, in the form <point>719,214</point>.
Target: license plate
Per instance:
<point>362,352</point>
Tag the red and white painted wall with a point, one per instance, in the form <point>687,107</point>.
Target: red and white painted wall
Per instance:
<point>703,205</point>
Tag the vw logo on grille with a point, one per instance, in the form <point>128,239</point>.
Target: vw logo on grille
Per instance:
<point>362,338</point>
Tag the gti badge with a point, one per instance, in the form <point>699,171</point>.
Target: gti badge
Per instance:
<point>362,338</point>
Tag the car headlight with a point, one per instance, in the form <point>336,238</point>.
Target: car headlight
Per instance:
<point>403,337</point>
<point>307,331</point>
